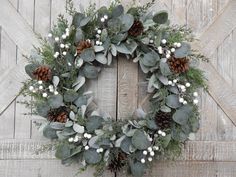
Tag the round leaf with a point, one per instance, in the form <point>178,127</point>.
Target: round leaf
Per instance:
<point>173,101</point>
<point>49,132</point>
<point>88,55</point>
<point>63,151</point>
<point>55,101</point>
<point>183,51</point>
<point>92,157</point>
<point>140,140</point>
<point>93,123</point>
<point>78,128</point>
<point>70,96</point>
<point>101,58</point>
<point>125,144</point>
<point>160,17</point>
<point>90,71</point>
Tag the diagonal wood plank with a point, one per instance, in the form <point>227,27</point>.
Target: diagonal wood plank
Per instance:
<point>23,36</point>
<point>208,42</point>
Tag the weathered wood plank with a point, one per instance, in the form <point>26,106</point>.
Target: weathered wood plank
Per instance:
<point>42,20</point>
<point>127,88</point>
<point>39,168</point>
<point>26,10</point>
<point>15,149</point>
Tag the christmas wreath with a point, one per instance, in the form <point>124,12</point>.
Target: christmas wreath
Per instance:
<point>74,53</point>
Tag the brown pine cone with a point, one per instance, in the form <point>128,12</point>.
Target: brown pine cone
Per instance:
<point>117,162</point>
<point>178,65</point>
<point>83,45</point>
<point>136,29</point>
<point>163,120</point>
<point>43,73</point>
<point>58,115</point>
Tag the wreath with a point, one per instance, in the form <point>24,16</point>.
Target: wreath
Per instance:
<point>74,53</point>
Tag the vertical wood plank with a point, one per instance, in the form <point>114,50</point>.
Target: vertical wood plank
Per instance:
<point>26,9</point>
<point>42,16</point>
<point>127,88</point>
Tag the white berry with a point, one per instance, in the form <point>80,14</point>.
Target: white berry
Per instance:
<point>86,148</point>
<point>150,139</point>
<point>67,29</point>
<point>181,100</point>
<point>145,152</point>
<point>187,84</point>
<point>67,46</point>
<point>62,46</point>
<point>163,41</point>
<point>152,153</point>
<point>40,87</point>
<point>172,50</point>
<point>97,42</point>
<point>64,53</point>
<point>40,82</point>
<point>106,17</point>
<point>195,101</point>
<point>56,93</point>
<point>185,102</point>
<point>102,19</point>
<point>195,94</point>
<point>71,140</point>
<point>89,136</point>
<point>182,87</point>
<point>163,134</point>
<point>167,55</point>
<point>159,132</point>
<point>50,35</point>
<point>31,88</point>
<point>151,41</point>
<point>142,160</point>
<point>149,159</point>
<point>170,82</point>
<point>64,36</point>
<point>99,31</point>
<point>45,95</point>
<point>101,149</point>
<point>150,149</point>
<point>100,43</point>
<point>175,81</point>
<point>56,39</point>
<point>98,150</point>
<point>156,148</point>
<point>178,45</point>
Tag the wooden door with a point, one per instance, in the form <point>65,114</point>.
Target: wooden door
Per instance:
<point>119,89</point>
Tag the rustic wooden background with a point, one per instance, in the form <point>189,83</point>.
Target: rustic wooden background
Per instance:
<point>119,89</point>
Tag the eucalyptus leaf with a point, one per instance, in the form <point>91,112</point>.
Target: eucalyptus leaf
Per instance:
<point>140,140</point>
<point>165,108</point>
<point>125,145</point>
<point>72,115</point>
<point>93,142</point>
<point>79,35</point>
<point>85,21</point>
<point>78,17</point>
<point>150,59</point>
<point>42,108</point>
<point>78,128</point>
<point>101,58</point>
<point>137,169</point>
<point>125,48</point>
<point>90,71</point>
<point>63,151</point>
<point>55,101</point>
<point>183,51</point>
<point>57,125</point>
<point>70,96</point>
<point>30,68</point>
<point>79,83</point>
<point>182,115</point>
<point>49,132</point>
<point>161,17</point>
<point>165,70</point>
<point>128,21</point>
<point>113,50</point>
<point>88,55</point>
<point>173,101</point>
<point>92,157</point>
<point>117,11</point>
<point>82,100</point>
<point>55,81</point>
<point>93,123</point>
<point>98,48</point>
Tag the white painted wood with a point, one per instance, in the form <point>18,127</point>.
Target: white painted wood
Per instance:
<point>26,10</point>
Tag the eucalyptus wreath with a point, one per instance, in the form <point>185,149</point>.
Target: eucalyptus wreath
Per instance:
<point>76,52</point>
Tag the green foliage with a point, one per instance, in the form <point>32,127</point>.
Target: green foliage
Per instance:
<point>71,70</point>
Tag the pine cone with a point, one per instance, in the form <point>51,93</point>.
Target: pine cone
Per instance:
<point>163,120</point>
<point>136,29</point>
<point>58,115</point>
<point>43,73</point>
<point>83,45</point>
<point>117,162</point>
<point>178,65</point>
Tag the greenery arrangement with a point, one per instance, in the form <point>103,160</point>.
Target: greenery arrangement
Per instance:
<point>74,53</point>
